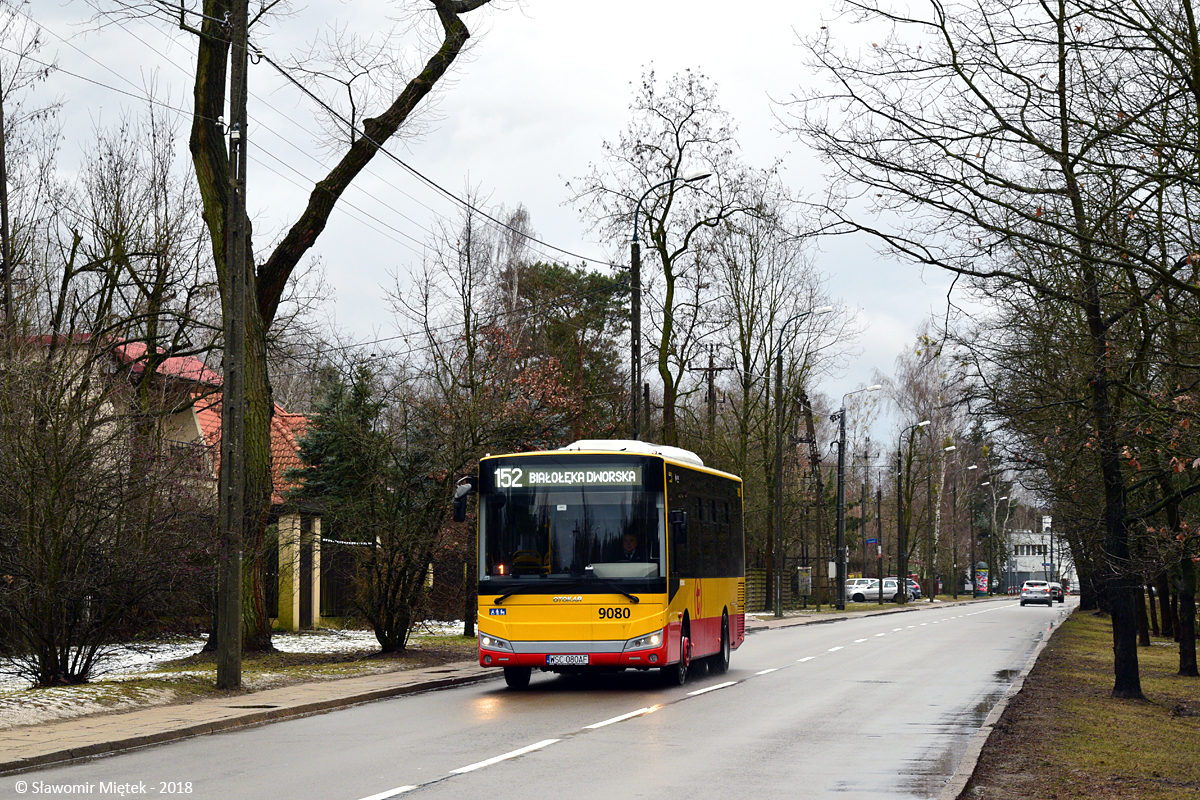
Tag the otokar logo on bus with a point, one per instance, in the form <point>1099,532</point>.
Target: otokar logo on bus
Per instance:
<point>569,599</point>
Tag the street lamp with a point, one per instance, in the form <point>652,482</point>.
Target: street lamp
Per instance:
<point>840,418</point>
<point>635,298</point>
<point>775,558</point>
<point>971,528</point>
<point>901,531</point>
<point>993,538</point>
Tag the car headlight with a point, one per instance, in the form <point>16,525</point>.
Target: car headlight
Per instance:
<point>487,642</point>
<point>647,642</point>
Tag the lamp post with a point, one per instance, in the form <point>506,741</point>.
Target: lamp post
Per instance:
<point>901,530</point>
<point>954,489</point>
<point>994,538</point>
<point>971,528</point>
<point>840,417</point>
<point>635,300</point>
<point>775,557</point>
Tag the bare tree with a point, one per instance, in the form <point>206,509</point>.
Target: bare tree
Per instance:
<point>674,133</point>
<point>378,117</point>
<point>993,138</point>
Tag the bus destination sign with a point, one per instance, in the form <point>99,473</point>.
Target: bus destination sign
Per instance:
<point>540,477</point>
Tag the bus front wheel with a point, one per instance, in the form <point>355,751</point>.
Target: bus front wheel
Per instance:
<point>677,674</point>
<point>517,677</point>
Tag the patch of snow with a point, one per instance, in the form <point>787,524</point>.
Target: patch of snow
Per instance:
<point>124,662</point>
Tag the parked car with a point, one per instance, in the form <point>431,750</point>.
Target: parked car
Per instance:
<point>1056,591</point>
<point>914,589</point>
<point>1036,592</point>
<point>870,592</point>
<point>854,583</point>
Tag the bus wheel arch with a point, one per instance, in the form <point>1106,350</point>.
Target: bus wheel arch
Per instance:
<point>677,674</point>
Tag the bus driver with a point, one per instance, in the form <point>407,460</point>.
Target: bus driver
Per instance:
<point>629,548</point>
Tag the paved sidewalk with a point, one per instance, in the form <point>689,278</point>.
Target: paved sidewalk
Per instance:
<point>35,746</point>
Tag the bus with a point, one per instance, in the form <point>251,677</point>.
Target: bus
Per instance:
<point>607,555</point>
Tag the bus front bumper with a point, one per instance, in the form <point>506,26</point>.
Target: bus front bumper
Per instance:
<point>557,655</point>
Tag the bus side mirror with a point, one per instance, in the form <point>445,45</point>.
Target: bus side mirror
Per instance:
<point>679,526</point>
<point>466,487</point>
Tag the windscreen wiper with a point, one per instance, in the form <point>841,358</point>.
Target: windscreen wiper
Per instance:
<point>616,588</point>
<point>526,587</point>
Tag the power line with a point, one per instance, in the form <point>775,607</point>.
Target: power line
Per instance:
<point>290,78</point>
<point>419,175</point>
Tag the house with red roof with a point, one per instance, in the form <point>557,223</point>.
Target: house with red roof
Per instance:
<point>299,563</point>
<point>190,392</point>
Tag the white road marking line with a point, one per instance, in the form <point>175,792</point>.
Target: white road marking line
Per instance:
<point>621,718</point>
<point>859,641</point>
<point>806,658</point>
<point>766,671</point>
<point>711,688</point>
<point>883,634</point>
<point>897,629</point>
<point>505,757</point>
<point>912,626</point>
<point>835,649</point>
<point>390,793</point>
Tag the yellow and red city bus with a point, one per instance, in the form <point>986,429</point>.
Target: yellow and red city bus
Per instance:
<point>561,587</point>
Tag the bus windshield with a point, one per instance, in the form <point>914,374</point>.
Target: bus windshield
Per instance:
<point>534,532</point>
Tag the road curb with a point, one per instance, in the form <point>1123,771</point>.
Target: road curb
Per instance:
<point>249,720</point>
<point>970,760</point>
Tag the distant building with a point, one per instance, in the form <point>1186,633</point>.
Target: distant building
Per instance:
<point>1038,555</point>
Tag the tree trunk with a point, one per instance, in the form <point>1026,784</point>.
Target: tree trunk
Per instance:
<point>1162,588</point>
<point>1142,622</point>
<point>1187,617</point>
<point>256,617</point>
<point>268,280</point>
<point>1154,629</point>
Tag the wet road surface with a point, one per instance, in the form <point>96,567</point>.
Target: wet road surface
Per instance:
<point>872,707</point>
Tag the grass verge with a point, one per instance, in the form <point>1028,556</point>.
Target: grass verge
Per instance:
<point>1064,736</point>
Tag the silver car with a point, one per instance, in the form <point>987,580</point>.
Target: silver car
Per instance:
<point>1036,592</point>
<point>870,592</point>
<point>855,583</point>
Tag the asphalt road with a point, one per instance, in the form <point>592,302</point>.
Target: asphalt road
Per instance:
<point>871,707</point>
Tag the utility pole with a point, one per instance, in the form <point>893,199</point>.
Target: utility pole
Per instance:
<point>879,533</point>
<point>931,557</point>
<point>711,396</point>
<point>864,503</point>
<point>901,541</point>
<point>5,245</point>
<point>635,329</point>
<point>233,405</point>
<point>814,462</point>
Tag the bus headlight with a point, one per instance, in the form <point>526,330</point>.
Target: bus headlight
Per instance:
<point>648,642</point>
<point>487,642</point>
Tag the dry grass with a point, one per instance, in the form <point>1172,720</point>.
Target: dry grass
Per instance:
<point>1063,736</point>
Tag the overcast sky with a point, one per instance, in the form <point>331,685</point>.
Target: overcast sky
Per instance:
<point>546,83</point>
